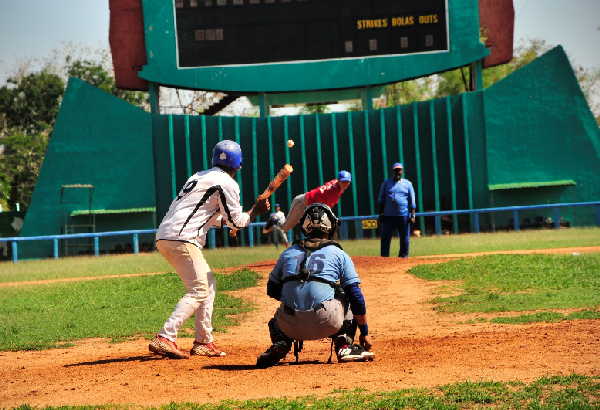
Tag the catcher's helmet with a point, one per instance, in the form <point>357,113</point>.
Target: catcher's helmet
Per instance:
<point>317,218</point>
<point>227,153</point>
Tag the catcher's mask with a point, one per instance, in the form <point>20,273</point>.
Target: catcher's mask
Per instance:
<point>318,218</point>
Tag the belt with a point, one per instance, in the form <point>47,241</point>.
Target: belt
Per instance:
<point>291,311</point>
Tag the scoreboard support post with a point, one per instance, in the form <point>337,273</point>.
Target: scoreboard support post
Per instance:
<point>367,99</point>
<point>476,75</point>
<point>263,105</point>
<point>154,91</point>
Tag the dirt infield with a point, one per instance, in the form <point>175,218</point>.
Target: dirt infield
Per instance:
<point>415,347</point>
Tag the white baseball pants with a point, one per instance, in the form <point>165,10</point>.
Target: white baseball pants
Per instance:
<point>296,211</point>
<point>199,280</point>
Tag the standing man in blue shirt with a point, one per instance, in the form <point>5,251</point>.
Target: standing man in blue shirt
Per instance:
<point>397,209</point>
<point>318,288</point>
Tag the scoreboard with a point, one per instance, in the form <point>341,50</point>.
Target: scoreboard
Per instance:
<point>281,46</point>
<point>247,32</point>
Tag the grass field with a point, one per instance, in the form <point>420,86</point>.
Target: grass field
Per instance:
<point>56,314</point>
<point>564,392</point>
<point>36,317</point>
<point>504,283</point>
<point>482,242</point>
<point>39,317</point>
<point>222,258</point>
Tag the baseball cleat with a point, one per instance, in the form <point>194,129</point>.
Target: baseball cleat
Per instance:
<point>354,353</point>
<point>272,355</point>
<point>164,347</point>
<point>206,349</point>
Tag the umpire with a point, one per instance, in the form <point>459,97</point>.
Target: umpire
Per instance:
<point>317,285</point>
<point>397,208</point>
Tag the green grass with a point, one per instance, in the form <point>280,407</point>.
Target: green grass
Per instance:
<point>222,258</point>
<point>44,316</point>
<point>80,266</point>
<point>501,283</point>
<point>466,243</point>
<point>565,392</point>
<point>547,317</point>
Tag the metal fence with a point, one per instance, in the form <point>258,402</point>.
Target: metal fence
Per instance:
<point>345,223</point>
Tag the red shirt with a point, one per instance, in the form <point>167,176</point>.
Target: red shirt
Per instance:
<point>328,194</point>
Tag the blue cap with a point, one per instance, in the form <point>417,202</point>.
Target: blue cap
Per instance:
<point>227,153</point>
<point>276,205</point>
<point>344,176</point>
<point>397,165</point>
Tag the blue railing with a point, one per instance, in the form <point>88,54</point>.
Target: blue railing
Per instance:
<point>475,215</point>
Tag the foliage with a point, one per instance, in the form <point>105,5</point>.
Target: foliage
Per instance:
<point>456,81</point>
<point>20,165</point>
<point>38,317</point>
<point>502,283</point>
<point>314,109</point>
<point>97,75</point>
<point>30,103</point>
<point>407,92</point>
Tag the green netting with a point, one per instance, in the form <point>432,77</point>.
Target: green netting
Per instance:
<point>538,184</point>
<point>365,143</point>
<point>100,141</point>
<point>540,128</point>
<point>533,129</point>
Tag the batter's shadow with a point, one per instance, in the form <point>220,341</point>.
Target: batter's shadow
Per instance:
<point>235,367</point>
<point>145,358</point>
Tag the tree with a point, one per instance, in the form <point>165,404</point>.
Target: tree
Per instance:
<point>407,92</point>
<point>20,165</point>
<point>94,73</point>
<point>456,81</point>
<point>31,102</point>
<point>314,109</point>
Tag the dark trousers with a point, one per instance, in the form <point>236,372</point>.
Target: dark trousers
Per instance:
<point>389,226</point>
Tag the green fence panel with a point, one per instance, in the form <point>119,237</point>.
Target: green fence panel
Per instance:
<point>98,140</point>
<point>540,131</point>
<point>453,149</point>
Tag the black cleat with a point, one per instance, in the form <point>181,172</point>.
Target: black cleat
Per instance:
<point>272,355</point>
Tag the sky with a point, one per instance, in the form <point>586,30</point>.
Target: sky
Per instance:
<point>32,29</point>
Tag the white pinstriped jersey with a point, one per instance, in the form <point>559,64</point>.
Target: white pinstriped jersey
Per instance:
<point>207,199</point>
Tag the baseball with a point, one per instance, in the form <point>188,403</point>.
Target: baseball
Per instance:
<point>291,143</point>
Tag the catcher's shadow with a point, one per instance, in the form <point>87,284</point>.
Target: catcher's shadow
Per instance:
<point>115,360</point>
<point>234,367</point>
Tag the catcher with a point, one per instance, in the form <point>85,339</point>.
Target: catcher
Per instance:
<point>317,285</point>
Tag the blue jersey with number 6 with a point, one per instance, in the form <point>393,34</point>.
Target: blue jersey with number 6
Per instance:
<point>329,263</point>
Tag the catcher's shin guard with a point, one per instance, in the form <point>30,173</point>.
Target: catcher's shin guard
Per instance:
<point>347,332</point>
<point>277,334</point>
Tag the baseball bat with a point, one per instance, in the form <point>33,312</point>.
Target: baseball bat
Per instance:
<point>275,183</point>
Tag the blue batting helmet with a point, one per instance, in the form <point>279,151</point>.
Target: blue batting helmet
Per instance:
<point>227,153</point>
<point>344,176</point>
